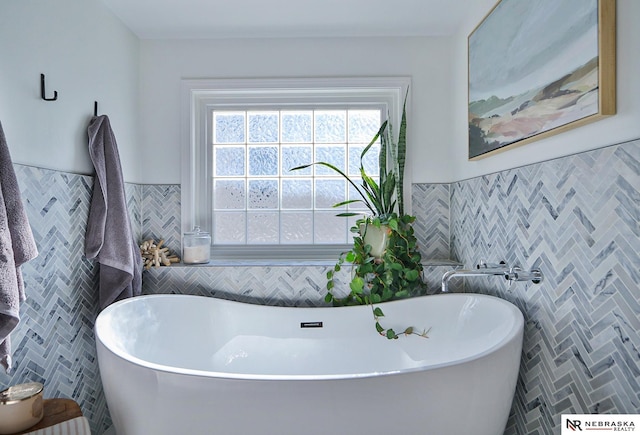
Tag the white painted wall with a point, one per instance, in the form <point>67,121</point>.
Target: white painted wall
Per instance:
<point>87,54</point>
<point>625,125</point>
<point>165,62</point>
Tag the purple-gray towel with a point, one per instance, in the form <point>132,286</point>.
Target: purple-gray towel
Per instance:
<point>17,246</point>
<point>109,238</point>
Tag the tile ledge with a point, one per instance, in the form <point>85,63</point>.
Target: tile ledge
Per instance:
<point>290,263</point>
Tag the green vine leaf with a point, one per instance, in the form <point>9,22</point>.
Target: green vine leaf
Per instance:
<point>357,285</point>
<point>412,275</point>
<point>402,294</point>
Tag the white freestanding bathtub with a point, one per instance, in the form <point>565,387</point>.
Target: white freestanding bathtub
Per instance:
<point>177,364</point>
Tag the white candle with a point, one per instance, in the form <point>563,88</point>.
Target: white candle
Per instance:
<point>195,254</point>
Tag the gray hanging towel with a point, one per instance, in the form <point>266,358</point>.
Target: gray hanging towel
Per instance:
<point>109,237</point>
<point>16,248</point>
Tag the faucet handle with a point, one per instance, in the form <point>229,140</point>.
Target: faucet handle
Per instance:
<point>484,265</point>
<point>517,274</point>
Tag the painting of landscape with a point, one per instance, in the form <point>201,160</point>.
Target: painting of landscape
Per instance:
<point>533,67</point>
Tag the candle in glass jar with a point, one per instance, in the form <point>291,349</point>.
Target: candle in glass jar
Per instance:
<point>196,246</point>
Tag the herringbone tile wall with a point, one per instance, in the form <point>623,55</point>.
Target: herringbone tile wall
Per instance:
<point>430,204</point>
<point>577,219</point>
<point>54,342</point>
<point>161,214</point>
<point>270,285</point>
<point>134,206</point>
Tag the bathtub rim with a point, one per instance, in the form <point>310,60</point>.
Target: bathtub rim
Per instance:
<point>513,334</point>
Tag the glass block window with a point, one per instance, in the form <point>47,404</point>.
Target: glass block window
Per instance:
<point>257,200</point>
<point>241,137</point>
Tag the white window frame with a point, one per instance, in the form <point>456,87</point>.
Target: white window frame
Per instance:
<point>201,96</point>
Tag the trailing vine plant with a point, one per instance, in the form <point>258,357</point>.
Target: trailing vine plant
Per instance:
<point>397,273</point>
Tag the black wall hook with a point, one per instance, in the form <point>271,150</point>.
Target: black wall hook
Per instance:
<point>43,93</point>
<point>95,108</point>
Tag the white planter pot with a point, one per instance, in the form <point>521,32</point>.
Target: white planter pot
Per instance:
<point>377,238</point>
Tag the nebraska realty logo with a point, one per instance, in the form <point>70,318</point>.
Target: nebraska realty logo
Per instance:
<point>572,423</point>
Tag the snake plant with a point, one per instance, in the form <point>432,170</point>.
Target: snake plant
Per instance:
<point>385,197</point>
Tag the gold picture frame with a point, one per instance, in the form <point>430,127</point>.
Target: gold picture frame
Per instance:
<point>537,69</point>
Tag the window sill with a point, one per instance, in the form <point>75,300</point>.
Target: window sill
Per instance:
<point>258,263</point>
<point>294,263</point>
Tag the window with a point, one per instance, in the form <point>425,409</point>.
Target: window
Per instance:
<point>258,200</point>
<point>244,136</point>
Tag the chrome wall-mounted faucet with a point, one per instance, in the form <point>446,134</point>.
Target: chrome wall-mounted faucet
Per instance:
<point>487,269</point>
<point>482,269</point>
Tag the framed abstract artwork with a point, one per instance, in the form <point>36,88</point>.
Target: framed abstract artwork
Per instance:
<point>538,68</point>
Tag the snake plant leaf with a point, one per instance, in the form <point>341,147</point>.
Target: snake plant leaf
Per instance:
<point>387,190</point>
<point>373,141</point>
<point>402,155</point>
<point>373,194</point>
<point>382,157</point>
<point>369,184</point>
<point>345,176</point>
<point>350,201</point>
